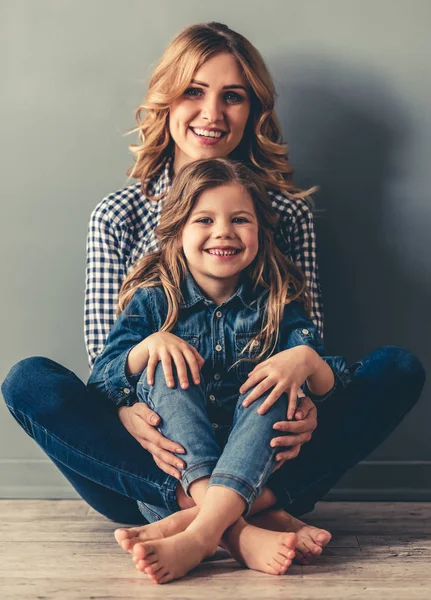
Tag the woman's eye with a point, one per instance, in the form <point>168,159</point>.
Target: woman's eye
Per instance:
<point>233,97</point>
<point>192,92</point>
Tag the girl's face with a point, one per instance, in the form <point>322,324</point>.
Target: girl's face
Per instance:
<point>220,237</point>
<point>209,119</point>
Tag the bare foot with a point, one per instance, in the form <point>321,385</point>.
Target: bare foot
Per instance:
<point>259,549</point>
<point>311,540</point>
<point>171,558</point>
<point>175,523</point>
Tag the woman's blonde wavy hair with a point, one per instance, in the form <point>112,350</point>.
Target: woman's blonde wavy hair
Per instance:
<point>167,267</point>
<point>261,148</point>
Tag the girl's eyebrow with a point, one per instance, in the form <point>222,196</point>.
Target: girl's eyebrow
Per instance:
<point>211,212</point>
<point>234,86</point>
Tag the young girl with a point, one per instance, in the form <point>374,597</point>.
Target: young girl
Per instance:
<point>230,301</point>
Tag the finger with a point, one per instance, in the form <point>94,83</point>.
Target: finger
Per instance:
<point>168,458</point>
<point>151,367</point>
<point>193,363</point>
<point>201,361</point>
<point>305,405</point>
<point>180,365</point>
<point>155,437</point>
<point>293,426</point>
<point>260,389</point>
<point>167,369</point>
<point>272,399</point>
<point>145,412</point>
<point>291,440</point>
<point>252,381</point>
<point>293,399</point>
<point>289,454</point>
<point>167,468</point>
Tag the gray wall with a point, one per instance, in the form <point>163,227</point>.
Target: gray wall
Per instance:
<point>354,95</point>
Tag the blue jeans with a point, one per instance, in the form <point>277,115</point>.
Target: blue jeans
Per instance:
<point>238,456</point>
<point>81,433</point>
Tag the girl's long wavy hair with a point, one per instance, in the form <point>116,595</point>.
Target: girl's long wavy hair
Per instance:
<point>261,148</point>
<point>167,267</point>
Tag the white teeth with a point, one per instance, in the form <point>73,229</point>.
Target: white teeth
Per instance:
<point>206,133</point>
<point>222,252</point>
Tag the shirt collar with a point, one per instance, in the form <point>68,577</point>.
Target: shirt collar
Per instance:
<point>162,180</point>
<point>192,294</point>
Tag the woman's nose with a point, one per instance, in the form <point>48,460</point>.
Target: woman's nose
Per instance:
<point>212,109</point>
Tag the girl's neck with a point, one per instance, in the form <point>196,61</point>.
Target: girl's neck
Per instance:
<point>217,290</point>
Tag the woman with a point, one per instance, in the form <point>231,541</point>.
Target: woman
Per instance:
<point>210,96</point>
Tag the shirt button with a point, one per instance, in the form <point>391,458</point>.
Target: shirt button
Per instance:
<point>215,426</point>
<point>217,376</point>
<point>126,390</point>
<point>212,398</point>
<point>218,348</point>
<point>218,314</point>
<point>305,331</point>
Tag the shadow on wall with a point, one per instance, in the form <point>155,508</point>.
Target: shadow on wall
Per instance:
<point>348,133</point>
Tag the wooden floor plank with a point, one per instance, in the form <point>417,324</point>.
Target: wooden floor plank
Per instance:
<point>65,551</point>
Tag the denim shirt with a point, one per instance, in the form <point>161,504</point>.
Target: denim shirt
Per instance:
<point>219,334</point>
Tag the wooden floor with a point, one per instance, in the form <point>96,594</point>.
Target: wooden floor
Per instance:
<point>63,550</point>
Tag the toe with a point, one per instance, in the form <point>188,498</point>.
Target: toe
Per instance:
<point>290,540</point>
<point>142,551</point>
<point>278,567</point>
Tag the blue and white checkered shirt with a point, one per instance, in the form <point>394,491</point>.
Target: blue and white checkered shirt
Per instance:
<point>121,230</point>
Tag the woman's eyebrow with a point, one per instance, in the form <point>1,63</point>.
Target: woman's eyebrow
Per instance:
<point>234,86</point>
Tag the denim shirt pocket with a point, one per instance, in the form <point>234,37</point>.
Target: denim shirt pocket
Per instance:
<point>193,339</point>
<point>248,358</point>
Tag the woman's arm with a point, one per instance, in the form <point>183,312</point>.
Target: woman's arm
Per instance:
<point>304,255</point>
<point>104,275</point>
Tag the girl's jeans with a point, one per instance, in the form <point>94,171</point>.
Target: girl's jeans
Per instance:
<point>247,459</point>
<point>81,433</point>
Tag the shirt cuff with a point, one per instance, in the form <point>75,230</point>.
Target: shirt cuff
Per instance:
<point>342,378</point>
<point>119,385</point>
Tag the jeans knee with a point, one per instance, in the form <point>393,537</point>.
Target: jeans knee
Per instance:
<point>405,365</point>
<point>395,370</point>
<point>21,377</point>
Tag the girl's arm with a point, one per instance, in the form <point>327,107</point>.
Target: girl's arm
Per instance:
<point>321,380</point>
<point>111,375</point>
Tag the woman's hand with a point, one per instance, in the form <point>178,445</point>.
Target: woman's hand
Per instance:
<point>284,372</point>
<point>140,421</point>
<point>167,348</point>
<point>296,433</point>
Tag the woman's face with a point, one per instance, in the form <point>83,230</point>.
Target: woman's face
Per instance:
<point>209,119</point>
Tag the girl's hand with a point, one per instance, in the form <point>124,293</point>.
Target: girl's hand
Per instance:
<point>167,348</point>
<point>284,372</point>
<point>140,421</point>
<point>296,433</point>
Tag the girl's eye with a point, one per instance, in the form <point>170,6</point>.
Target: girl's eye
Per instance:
<point>240,220</point>
<point>204,220</point>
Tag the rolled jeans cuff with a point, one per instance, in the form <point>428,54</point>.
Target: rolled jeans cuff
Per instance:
<point>188,476</point>
<point>238,485</point>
